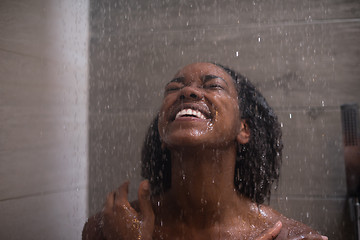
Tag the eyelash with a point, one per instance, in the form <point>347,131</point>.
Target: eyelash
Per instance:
<point>171,89</point>
<point>206,86</point>
<point>217,86</point>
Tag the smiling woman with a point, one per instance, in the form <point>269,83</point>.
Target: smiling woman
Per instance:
<point>210,158</point>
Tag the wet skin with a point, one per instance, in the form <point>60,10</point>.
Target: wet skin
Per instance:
<point>207,88</point>
<point>200,123</point>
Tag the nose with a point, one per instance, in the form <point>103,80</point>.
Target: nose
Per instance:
<point>191,92</point>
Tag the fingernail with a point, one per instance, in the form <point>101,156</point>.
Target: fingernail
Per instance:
<point>278,224</point>
<point>146,186</point>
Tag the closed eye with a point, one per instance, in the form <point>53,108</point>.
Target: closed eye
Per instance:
<point>213,86</point>
<point>173,86</point>
<point>214,82</point>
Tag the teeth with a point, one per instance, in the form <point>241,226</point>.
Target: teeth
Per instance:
<point>191,112</point>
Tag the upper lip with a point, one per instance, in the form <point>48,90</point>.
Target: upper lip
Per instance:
<point>201,107</point>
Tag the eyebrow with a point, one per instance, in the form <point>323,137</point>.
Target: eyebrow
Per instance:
<point>204,78</point>
<point>209,77</point>
<point>178,79</point>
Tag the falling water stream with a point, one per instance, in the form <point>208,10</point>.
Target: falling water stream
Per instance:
<point>82,82</point>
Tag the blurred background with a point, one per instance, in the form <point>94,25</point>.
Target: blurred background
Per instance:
<point>80,82</point>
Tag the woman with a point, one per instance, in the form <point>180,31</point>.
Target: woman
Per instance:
<point>210,157</point>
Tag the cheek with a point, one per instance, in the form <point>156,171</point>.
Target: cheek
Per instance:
<point>231,108</point>
<point>231,115</point>
<point>161,124</point>
<point>165,106</point>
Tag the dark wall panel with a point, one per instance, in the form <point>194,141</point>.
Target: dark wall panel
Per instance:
<point>303,55</point>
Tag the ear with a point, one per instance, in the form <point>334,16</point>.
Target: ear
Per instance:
<point>243,136</point>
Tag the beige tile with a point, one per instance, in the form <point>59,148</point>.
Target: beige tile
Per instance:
<point>48,30</point>
<point>43,119</point>
<point>56,215</point>
<point>29,82</point>
<point>22,26</point>
<point>43,142</point>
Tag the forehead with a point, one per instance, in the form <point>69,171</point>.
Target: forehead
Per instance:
<point>200,69</point>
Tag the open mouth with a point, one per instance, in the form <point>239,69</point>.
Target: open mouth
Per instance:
<point>191,111</point>
<point>188,112</point>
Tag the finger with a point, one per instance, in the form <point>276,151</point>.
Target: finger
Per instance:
<point>109,203</point>
<point>324,237</point>
<point>271,233</point>
<point>121,197</point>
<point>145,202</point>
<point>123,190</point>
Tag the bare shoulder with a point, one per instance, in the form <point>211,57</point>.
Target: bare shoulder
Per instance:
<point>291,229</point>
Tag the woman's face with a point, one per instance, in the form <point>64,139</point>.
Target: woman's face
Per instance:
<point>200,107</point>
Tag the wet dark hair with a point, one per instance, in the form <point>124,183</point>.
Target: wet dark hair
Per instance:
<point>257,163</point>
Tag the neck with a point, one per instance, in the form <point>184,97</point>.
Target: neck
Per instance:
<point>202,185</point>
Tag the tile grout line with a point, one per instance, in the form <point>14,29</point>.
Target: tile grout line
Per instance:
<point>44,193</point>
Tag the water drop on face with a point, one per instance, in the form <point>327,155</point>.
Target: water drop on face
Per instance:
<point>237,53</point>
<point>290,115</point>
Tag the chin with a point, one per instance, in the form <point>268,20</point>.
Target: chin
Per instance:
<point>180,140</point>
<point>188,141</point>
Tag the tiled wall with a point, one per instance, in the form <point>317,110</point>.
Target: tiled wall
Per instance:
<point>303,55</point>
<point>43,118</point>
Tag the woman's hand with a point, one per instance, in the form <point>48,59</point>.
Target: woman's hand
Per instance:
<point>271,233</point>
<point>121,221</point>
